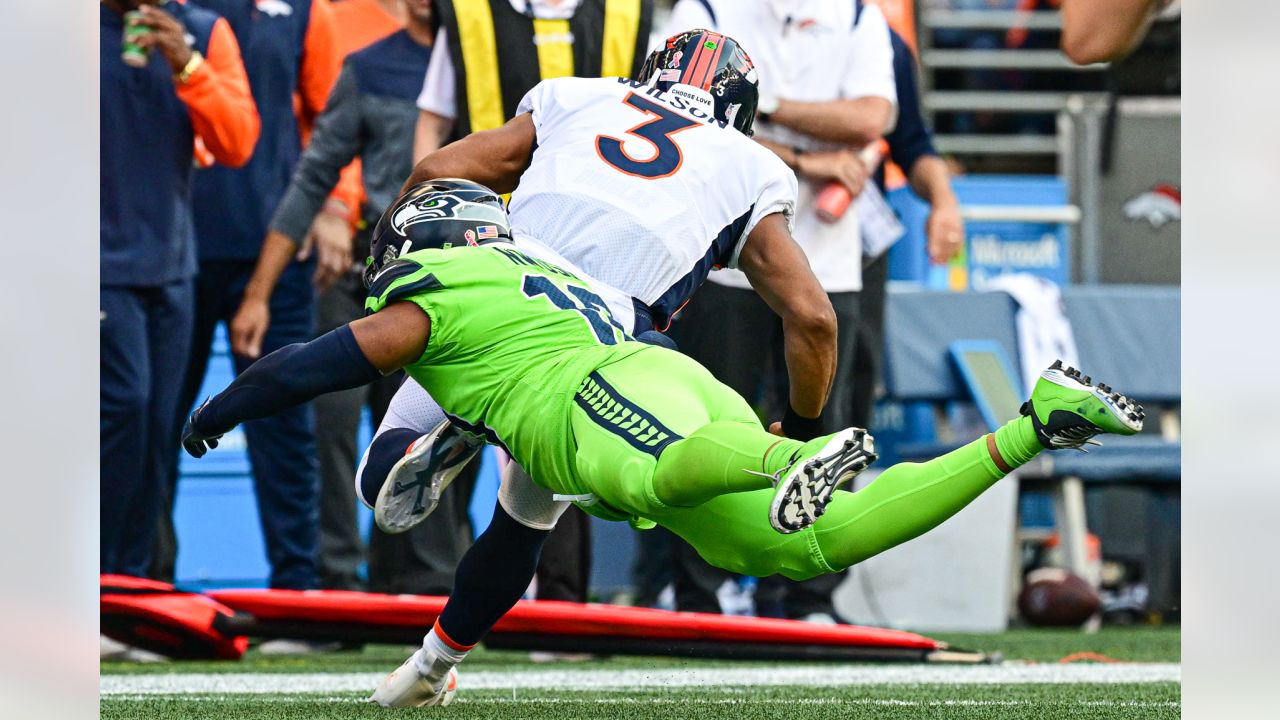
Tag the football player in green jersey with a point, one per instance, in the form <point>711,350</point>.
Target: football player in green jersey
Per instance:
<point>525,354</point>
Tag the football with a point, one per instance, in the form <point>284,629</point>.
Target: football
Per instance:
<point>1057,597</point>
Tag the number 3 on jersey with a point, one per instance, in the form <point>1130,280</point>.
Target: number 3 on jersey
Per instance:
<point>590,305</point>
<point>666,157</point>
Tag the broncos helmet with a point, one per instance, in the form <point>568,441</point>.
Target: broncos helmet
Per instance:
<point>439,213</point>
<point>702,62</point>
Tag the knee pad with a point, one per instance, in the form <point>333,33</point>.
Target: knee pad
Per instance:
<point>527,503</point>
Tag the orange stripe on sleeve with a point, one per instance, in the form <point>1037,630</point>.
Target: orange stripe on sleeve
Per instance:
<point>321,63</point>
<point>219,102</point>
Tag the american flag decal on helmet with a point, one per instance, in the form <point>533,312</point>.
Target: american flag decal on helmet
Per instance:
<point>486,232</point>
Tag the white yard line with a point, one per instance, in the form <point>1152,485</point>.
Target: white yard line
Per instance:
<point>589,679</point>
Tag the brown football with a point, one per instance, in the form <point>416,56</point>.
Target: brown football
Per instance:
<point>1053,596</point>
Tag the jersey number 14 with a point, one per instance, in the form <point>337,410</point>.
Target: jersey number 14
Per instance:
<point>666,157</point>
<point>588,304</point>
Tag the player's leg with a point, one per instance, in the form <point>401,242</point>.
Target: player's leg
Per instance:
<point>1065,412</point>
<point>492,576</point>
<point>655,431</point>
<point>415,454</point>
<point>908,499</point>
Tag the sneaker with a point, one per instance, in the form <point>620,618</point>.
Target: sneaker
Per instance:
<point>414,486</point>
<point>1067,410</point>
<point>407,687</point>
<point>807,487</point>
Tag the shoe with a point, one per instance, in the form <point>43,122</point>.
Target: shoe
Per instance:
<point>807,487</point>
<point>285,647</point>
<point>414,486</point>
<point>406,687</point>
<point>1067,410</point>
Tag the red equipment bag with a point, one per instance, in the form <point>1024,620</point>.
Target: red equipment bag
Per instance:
<point>158,617</point>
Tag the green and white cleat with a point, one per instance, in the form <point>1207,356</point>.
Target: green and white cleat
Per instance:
<point>1067,410</point>
<point>808,485</point>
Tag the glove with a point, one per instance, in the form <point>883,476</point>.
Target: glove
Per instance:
<point>195,442</point>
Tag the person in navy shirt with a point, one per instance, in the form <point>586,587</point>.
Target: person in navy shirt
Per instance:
<point>193,86</point>
<point>289,52</point>
<point>371,115</point>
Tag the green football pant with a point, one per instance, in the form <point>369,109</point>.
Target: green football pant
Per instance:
<point>658,438</point>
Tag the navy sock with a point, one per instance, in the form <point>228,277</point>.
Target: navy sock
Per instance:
<point>384,452</point>
<point>492,576</point>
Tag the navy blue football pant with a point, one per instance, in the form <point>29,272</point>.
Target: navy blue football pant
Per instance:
<point>282,448</point>
<point>144,344</point>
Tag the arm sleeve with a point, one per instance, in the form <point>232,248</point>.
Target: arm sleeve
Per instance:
<point>321,62</point>
<point>778,193</point>
<point>910,139</point>
<point>439,91</point>
<point>870,70</point>
<point>219,102</point>
<point>337,139</point>
<point>289,376</point>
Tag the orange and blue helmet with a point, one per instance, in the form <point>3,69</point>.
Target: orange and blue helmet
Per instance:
<point>706,64</point>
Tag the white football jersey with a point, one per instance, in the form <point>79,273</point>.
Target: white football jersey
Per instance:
<point>642,190</point>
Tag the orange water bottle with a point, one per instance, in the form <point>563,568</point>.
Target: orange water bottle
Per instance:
<point>833,200</point>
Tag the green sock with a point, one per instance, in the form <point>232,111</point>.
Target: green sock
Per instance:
<point>719,458</point>
<point>1016,441</point>
<point>905,501</point>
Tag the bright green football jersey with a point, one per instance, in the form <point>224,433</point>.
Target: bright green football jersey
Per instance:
<point>512,340</point>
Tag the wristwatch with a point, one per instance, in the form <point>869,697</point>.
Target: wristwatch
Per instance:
<point>767,105</point>
<point>190,68</point>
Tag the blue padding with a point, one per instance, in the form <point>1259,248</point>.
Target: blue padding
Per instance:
<point>1129,337</point>
<point>921,325</point>
<point>1120,459</point>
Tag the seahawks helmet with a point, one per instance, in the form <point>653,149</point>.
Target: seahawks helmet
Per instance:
<point>707,64</point>
<point>440,213</point>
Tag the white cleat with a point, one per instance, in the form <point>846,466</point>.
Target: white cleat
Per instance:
<point>413,488</point>
<point>406,687</point>
<point>803,494</point>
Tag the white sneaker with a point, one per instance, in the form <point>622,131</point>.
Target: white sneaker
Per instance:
<point>414,486</point>
<point>406,687</point>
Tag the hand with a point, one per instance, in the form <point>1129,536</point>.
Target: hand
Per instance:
<point>945,232</point>
<point>332,239</point>
<point>248,328</point>
<point>842,166</point>
<point>167,36</point>
<point>195,442</point>
<point>776,428</point>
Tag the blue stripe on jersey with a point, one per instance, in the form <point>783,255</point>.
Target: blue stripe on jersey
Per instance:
<point>718,255</point>
<point>612,411</point>
<point>857,13</point>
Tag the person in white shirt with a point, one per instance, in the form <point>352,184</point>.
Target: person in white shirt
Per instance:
<point>827,94</point>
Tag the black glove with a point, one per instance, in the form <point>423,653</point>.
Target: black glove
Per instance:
<point>195,442</point>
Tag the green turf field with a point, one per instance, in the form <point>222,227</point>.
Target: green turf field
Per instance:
<point>1030,684</point>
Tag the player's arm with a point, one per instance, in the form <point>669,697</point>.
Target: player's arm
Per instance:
<point>495,158</point>
<point>779,271</point>
<point>349,357</point>
<point>1102,30</point>
<point>857,122</point>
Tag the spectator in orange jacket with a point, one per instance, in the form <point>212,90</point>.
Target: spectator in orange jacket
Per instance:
<point>192,82</point>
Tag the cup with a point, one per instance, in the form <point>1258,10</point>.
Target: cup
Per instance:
<point>132,54</point>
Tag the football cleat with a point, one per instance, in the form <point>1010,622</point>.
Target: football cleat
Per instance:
<point>414,486</point>
<point>1067,410</point>
<point>406,687</point>
<point>809,484</point>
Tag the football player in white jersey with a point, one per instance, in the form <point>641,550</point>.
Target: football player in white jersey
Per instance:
<point>644,186</point>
